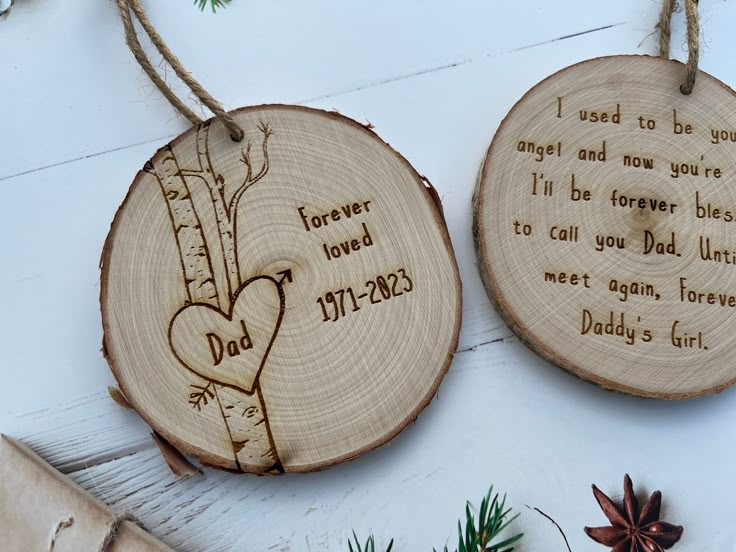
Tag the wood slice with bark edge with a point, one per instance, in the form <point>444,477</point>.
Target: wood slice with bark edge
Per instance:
<point>548,316</point>
<point>212,232</point>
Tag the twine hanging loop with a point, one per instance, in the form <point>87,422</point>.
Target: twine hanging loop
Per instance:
<point>133,8</point>
<point>693,38</point>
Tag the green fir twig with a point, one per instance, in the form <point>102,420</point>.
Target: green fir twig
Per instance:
<point>493,519</point>
<point>202,4</point>
<point>369,546</point>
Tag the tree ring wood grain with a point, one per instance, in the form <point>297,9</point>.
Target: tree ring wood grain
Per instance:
<point>604,219</point>
<point>284,303</point>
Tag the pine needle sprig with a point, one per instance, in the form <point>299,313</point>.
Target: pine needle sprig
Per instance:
<point>493,519</point>
<point>202,4</point>
<point>369,546</point>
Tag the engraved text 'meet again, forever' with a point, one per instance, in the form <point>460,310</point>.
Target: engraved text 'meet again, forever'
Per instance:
<point>603,215</point>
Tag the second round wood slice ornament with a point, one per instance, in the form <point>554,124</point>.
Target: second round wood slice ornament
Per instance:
<point>282,303</point>
<point>604,222</point>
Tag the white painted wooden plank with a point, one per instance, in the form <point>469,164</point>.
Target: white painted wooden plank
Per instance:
<point>82,432</point>
<point>50,330</point>
<point>561,435</point>
<point>69,68</point>
<point>502,416</point>
<point>62,305</point>
<point>54,313</point>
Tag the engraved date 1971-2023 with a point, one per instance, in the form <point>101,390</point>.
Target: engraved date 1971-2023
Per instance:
<point>338,304</point>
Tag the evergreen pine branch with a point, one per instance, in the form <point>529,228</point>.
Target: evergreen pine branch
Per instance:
<point>369,546</point>
<point>493,519</point>
<point>202,4</point>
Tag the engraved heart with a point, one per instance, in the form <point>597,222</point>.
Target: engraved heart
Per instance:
<point>231,348</point>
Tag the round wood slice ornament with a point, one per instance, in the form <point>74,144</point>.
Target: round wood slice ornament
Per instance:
<point>605,223</point>
<point>283,303</point>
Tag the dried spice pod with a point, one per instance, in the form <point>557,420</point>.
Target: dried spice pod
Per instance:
<point>631,529</point>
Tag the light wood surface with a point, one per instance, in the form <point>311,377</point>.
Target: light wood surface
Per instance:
<point>604,216</point>
<point>283,303</point>
<point>436,85</point>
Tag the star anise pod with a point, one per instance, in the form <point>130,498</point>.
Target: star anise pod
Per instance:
<point>632,530</point>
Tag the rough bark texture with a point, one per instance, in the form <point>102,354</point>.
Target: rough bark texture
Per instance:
<point>252,442</point>
<point>198,275</point>
<point>243,414</point>
<point>216,186</point>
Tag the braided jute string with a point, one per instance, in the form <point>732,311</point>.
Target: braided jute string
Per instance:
<point>693,38</point>
<point>107,541</point>
<point>112,531</point>
<point>130,8</point>
<point>62,524</point>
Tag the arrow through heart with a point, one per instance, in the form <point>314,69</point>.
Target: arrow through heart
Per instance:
<point>230,349</point>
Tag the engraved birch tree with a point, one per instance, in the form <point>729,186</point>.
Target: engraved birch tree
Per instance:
<point>244,414</point>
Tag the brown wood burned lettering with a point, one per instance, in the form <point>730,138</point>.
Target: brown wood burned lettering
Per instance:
<point>349,246</point>
<point>625,290</point>
<point>722,136</point>
<point>540,152</point>
<point>227,265</point>
<point>342,213</point>
<point>313,222</point>
<point>653,204</point>
<point>615,325</point>
<point>571,278</point>
<point>338,304</point>
<point>602,226</point>
<point>593,153</point>
<point>230,348</point>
